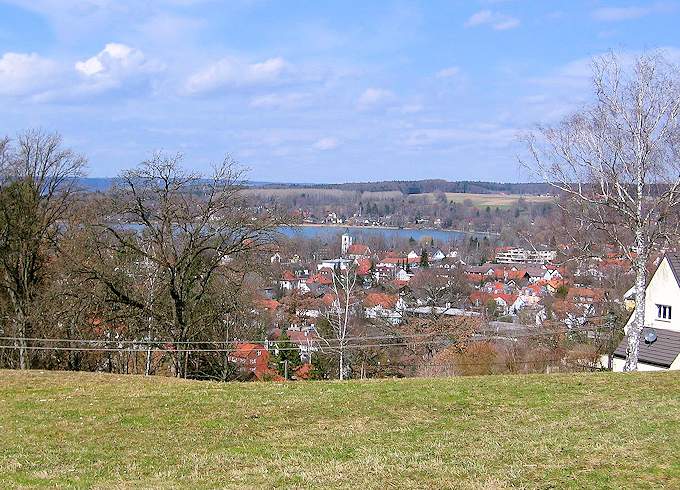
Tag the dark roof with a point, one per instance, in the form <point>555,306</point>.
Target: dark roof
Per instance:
<point>674,262</point>
<point>661,352</point>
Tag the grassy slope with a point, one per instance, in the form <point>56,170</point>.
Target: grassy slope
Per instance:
<point>496,200</point>
<point>66,429</point>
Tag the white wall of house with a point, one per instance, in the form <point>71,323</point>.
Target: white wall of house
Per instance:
<point>617,365</point>
<point>663,289</point>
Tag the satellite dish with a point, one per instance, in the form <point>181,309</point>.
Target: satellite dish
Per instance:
<point>650,336</point>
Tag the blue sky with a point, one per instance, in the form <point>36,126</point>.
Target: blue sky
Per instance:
<point>312,91</point>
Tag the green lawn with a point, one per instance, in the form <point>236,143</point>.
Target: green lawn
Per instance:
<point>543,431</point>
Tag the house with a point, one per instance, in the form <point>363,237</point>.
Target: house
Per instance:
<point>383,306</point>
<point>333,264</point>
<point>503,301</point>
<point>307,341</point>
<point>660,339</point>
<point>358,251</point>
<point>290,281</point>
<point>516,255</point>
<point>437,256</point>
<point>393,262</point>
<point>402,276</point>
<point>448,263</point>
<point>250,359</point>
<point>585,296</point>
<point>453,254</point>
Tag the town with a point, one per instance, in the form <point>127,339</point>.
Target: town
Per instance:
<point>518,295</point>
<point>332,245</point>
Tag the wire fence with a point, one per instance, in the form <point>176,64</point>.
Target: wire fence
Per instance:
<point>228,346</point>
<point>123,355</point>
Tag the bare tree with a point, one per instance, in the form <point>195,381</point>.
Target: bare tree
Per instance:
<point>196,234</point>
<point>617,162</point>
<point>341,315</point>
<point>38,183</point>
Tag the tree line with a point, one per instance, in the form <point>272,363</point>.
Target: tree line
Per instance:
<point>162,259</point>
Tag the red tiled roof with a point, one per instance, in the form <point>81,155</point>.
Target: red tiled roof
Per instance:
<point>247,350</point>
<point>363,267</point>
<point>508,298</point>
<point>267,304</point>
<point>385,300</point>
<point>358,249</point>
<point>299,337</point>
<point>474,277</point>
<point>592,294</point>
<point>400,260</point>
<point>328,299</point>
<point>288,276</point>
<point>322,279</point>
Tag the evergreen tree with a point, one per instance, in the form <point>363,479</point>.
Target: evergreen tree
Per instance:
<point>424,260</point>
<point>287,351</point>
<point>322,366</point>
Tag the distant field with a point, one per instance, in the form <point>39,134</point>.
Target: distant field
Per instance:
<point>604,430</point>
<point>493,200</point>
<point>323,193</point>
<point>478,200</point>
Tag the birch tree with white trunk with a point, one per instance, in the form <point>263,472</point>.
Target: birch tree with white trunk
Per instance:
<point>341,314</point>
<point>616,163</point>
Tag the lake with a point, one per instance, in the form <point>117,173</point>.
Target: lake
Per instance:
<point>441,236</point>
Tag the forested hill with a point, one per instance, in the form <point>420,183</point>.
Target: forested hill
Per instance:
<point>432,185</point>
<point>403,186</point>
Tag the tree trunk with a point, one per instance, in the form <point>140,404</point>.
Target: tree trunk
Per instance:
<point>21,323</point>
<point>24,361</point>
<point>636,327</point>
<point>147,365</point>
<point>341,372</point>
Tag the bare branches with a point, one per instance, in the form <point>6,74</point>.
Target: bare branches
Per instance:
<point>37,187</point>
<point>617,159</point>
<point>198,234</point>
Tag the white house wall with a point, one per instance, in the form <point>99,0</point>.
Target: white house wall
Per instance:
<point>662,289</point>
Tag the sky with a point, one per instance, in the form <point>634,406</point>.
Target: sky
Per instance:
<point>308,90</point>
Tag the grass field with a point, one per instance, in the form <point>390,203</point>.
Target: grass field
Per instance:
<point>323,194</point>
<point>495,200</point>
<point>543,431</point>
<point>477,200</point>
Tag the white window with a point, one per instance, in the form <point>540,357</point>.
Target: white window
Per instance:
<point>663,312</point>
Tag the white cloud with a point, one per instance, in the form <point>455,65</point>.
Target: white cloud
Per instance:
<point>25,74</point>
<point>233,73</point>
<point>486,134</point>
<point>450,72</point>
<point>498,21</point>
<point>617,14</point>
<point>326,144</point>
<point>279,101</point>
<point>375,97</point>
<point>113,65</point>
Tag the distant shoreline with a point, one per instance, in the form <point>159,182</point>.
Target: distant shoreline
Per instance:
<point>405,228</point>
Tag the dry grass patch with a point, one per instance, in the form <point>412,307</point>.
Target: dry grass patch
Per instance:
<point>495,200</point>
<point>559,431</point>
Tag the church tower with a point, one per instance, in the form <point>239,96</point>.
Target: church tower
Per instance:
<point>346,243</point>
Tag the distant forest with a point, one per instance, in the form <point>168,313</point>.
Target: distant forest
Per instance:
<point>403,186</point>
<point>429,185</point>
